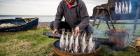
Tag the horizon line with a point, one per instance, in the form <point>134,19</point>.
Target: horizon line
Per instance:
<point>26,15</point>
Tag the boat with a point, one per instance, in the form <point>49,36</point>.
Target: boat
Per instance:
<point>18,24</point>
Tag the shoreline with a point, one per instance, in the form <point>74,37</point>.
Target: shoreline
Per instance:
<point>43,24</point>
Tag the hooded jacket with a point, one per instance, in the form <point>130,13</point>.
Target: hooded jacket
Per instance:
<point>75,16</point>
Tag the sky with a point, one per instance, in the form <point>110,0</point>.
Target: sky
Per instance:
<point>38,7</point>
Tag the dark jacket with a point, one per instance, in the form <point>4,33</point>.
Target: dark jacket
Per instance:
<point>76,16</point>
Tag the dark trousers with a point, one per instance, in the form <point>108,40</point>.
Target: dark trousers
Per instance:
<point>61,25</point>
<point>66,26</point>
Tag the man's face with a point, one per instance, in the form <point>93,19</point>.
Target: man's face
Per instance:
<point>70,1</point>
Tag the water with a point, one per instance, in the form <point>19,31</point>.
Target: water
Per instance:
<point>100,31</point>
<point>41,18</point>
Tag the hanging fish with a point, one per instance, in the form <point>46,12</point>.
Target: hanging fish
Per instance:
<point>84,43</point>
<point>91,44</point>
<point>71,42</point>
<point>123,7</point>
<point>76,49</point>
<point>62,40</point>
<point>116,8</point>
<point>119,9</point>
<point>126,7</point>
<point>67,42</point>
<point>130,7</point>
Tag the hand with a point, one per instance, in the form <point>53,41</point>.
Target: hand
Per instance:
<point>77,30</point>
<point>55,31</point>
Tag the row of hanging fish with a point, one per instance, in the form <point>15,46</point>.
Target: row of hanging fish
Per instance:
<point>124,7</point>
<point>81,43</point>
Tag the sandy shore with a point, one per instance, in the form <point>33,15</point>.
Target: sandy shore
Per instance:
<point>43,24</point>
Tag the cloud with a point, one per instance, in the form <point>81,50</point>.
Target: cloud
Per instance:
<point>37,7</point>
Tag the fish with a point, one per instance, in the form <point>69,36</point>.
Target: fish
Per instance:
<point>119,9</point>
<point>126,7</point>
<point>116,8</point>
<point>84,43</point>
<point>71,44</point>
<point>123,7</point>
<point>76,49</point>
<point>91,44</point>
<point>130,7</point>
<point>62,40</point>
<point>67,42</point>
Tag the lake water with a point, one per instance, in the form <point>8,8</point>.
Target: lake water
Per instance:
<point>41,18</point>
<point>99,32</point>
<point>102,28</point>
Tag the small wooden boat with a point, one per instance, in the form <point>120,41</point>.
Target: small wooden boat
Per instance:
<point>18,24</point>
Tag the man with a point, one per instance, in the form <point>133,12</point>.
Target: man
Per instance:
<point>75,14</point>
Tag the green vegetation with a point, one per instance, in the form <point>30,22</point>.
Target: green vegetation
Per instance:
<point>106,51</point>
<point>33,43</point>
<point>26,43</point>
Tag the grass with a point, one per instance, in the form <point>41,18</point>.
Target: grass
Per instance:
<point>33,43</point>
<point>26,43</point>
<point>106,51</point>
